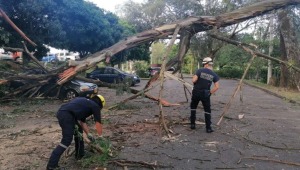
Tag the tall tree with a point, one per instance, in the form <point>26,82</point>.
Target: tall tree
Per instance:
<point>157,51</point>
<point>136,53</point>
<point>75,25</point>
<point>290,50</point>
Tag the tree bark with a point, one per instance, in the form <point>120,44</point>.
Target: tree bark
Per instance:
<point>290,51</point>
<point>283,68</point>
<point>161,76</point>
<point>184,46</point>
<point>271,38</point>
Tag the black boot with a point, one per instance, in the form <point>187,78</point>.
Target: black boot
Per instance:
<point>208,123</point>
<point>54,158</point>
<point>79,148</point>
<point>193,119</point>
<point>57,168</point>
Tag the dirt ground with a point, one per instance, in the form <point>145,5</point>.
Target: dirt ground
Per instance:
<point>267,137</point>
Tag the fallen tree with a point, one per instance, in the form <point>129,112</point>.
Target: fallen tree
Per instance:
<point>191,24</point>
<point>187,28</point>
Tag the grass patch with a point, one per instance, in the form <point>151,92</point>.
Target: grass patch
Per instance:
<point>123,87</point>
<point>19,110</point>
<point>124,106</point>
<point>288,94</point>
<point>38,101</point>
<point>97,159</point>
<point>105,121</point>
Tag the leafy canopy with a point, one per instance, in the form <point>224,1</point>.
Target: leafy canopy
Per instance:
<point>75,25</point>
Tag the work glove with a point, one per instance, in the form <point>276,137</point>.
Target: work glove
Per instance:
<point>91,137</point>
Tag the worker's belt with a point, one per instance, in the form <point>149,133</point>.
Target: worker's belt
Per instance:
<point>199,90</point>
<point>204,92</point>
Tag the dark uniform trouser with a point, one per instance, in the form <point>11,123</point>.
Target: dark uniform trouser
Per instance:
<point>67,123</point>
<point>198,96</point>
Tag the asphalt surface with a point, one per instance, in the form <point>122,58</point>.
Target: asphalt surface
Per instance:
<point>267,137</point>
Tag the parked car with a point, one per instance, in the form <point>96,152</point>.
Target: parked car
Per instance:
<point>65,56</point>
<point>50,58</point>
<point>153,70</point>
<point>12,56</point>
<point>69,90</point>
<point>5,56</point>
<point>113,75</point>
<point>17,56</point>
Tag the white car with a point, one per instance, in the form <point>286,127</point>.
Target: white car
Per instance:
<point>64,56</point>
<point>6,56</point>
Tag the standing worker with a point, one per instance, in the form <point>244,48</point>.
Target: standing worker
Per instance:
<point>201,92</point>
<point>71,117</point>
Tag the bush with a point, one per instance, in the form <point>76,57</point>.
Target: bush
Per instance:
<point>230,72</point>
<point>234,72</point>
<point>141,68</point>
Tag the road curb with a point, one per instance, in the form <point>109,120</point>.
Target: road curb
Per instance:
<point>272,93</point>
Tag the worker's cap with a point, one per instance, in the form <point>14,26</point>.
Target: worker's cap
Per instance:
<point>207,60</point>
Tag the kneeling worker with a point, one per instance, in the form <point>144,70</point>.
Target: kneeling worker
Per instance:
<point>75,113</point>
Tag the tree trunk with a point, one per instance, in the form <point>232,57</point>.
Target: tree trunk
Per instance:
<point>184,46</point>
<point>271,38</point>
<point>289,47</point>
<point>283,69</point>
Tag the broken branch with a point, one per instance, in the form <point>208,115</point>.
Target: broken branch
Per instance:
<point>161,76</point>
<point>271,160</point>
<point>7,19</point>
<point>236,90</point>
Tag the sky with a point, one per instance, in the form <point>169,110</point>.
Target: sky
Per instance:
<point>110,4</point>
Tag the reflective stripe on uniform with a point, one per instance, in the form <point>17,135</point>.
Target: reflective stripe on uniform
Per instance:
<point>207,113</point>
<point>62,145</point>
<point>193,109</point>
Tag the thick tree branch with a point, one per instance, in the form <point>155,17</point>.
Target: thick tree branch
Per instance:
<point>237,43</point>
<point>194,24</point>
<point>33,58</point>
<point>6,18</point>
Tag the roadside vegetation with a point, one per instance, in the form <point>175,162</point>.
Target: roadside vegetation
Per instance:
<point>288,94</point>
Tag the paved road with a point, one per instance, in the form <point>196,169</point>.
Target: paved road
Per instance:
<point>269,130</point>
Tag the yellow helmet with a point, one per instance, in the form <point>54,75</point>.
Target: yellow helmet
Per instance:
<point>101,99</point>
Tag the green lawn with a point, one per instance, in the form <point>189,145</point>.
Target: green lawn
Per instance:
<point>286,93</point>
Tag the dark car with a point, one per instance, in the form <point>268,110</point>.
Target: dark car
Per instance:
<point>69,90</point>
<point>113,75</point>
<point>153,70</point>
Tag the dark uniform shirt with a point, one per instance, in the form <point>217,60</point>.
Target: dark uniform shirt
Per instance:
<point>81,108</point>
<point>205,78</point>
